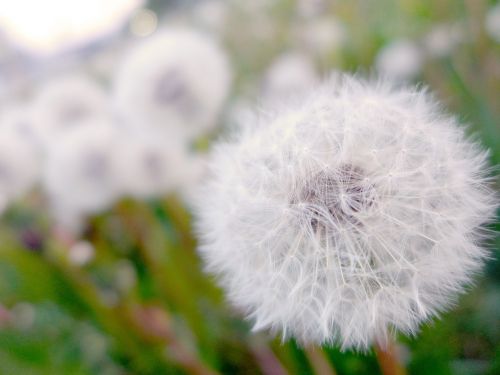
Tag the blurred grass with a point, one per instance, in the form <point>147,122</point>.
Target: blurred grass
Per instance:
<point>59,318</point>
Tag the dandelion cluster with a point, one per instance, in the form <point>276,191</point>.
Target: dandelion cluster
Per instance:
<point>355,214</point>
<point>88,144</point>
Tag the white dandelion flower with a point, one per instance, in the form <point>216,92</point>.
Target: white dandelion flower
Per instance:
<point>68,101</point>
<point>290,75</point>
<point>152,164</point>
<point>357,213</point>
<point>177,79</point>
<point>401,59</point>
<point>81,175</point>
<point>19,166</point>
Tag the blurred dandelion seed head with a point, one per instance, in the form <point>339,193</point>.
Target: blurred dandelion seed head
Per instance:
<point>81,173</point>
<point>66,102</point>
<point>162,82</point>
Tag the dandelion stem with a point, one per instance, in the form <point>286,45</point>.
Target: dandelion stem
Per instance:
<point>154,323</point>
<point>319,361</point>
<point>266,359</point>
<point>388,360</point>
<point>171,282</point>
<point>171,211</point>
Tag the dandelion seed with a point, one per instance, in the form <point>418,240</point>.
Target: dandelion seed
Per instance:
<point>354,214</point>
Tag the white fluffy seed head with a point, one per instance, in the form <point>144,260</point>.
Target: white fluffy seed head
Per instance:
<point>355,214</point>
<point>81,173</point>
<point>177,79</point>
<point>66,102</point>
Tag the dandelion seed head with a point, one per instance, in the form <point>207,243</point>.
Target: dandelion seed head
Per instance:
<point>81,173</point>
<point>66,102</point>
<point>177,79</point>
<point>357,213</point>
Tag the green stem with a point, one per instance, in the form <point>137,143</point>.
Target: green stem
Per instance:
<point>319,361</point>
<point>478,108</point>
<point>388,360</point>
<point>171,281</point>
<point>108,319</point>
<point>115,320</point>
<point>176,222</point>
<point>267,361</point>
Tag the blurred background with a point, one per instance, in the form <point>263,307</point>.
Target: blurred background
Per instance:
<point>108,110</point>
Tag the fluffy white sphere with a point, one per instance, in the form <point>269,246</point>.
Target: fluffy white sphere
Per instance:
<point>82,174</point>
<point>68,101</point>
<point>357,213</point>
<point>177,79</point>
